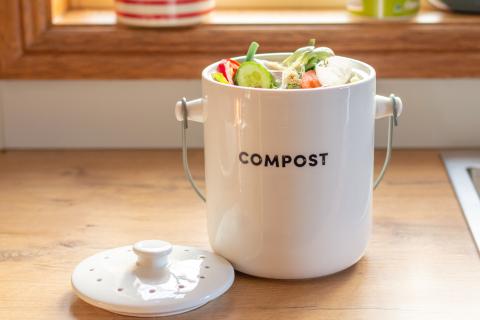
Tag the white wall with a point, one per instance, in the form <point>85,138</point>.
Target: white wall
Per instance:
<point>438,113</point>
<point>139,114</point>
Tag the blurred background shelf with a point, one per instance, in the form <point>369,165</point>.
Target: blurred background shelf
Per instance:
<point>81,17</point>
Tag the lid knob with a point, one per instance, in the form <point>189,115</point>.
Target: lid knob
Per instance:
<point>152,254</point>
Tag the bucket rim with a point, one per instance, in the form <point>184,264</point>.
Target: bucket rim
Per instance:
<point>368,69</point>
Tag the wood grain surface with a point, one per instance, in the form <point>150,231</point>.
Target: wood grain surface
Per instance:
<point>11,38</point>
<point>435,44</point>
<point>58,207</point>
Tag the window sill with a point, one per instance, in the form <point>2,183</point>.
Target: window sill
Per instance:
<point>273,17</point>
<point>89,45</point>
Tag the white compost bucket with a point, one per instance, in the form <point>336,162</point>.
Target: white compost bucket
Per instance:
<point>289,172</point>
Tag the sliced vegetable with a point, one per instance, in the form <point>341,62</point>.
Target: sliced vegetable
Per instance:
<point>355,78</point>
<point>299,54</point>
<point>234,63</point>
<point>219,77</point>
<point>310,80</point>
<point>307,67</point>
<point>228,68</point>
<point>307,57</point>
<point>272,65</point>
<point>252,49</point>
<point>253,74</point>
<point>312,62</point>
<point>322,53</point>
<point>314,57</point>
<point>336,72</point>
<point>291,79</point>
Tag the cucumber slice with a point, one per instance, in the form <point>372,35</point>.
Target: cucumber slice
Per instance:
<point>253,74</point>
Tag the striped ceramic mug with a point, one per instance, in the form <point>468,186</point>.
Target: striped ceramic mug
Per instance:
<point>162,13</point>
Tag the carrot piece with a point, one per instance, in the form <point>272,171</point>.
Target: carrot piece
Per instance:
<point>310,80</point>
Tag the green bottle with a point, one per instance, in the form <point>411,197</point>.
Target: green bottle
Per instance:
<point>384,9</point>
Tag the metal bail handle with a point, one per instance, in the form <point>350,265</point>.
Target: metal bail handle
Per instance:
<point>186,169</point>
<point>392,122</point>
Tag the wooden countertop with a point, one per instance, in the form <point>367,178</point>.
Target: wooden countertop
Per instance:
<point>57,208</point>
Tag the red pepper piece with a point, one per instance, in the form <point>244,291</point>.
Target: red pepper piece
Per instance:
<point>228,67</point>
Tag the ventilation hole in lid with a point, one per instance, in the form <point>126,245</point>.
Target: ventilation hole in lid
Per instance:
<point>207,267</point>
<point>181,286</point>
<point>201,277</point>
<point>202,257</point>
<point>99,279</point>
<point>91,269</point>
<point>152,290</point>
<point>120,289</point>
<point>186,250</point>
